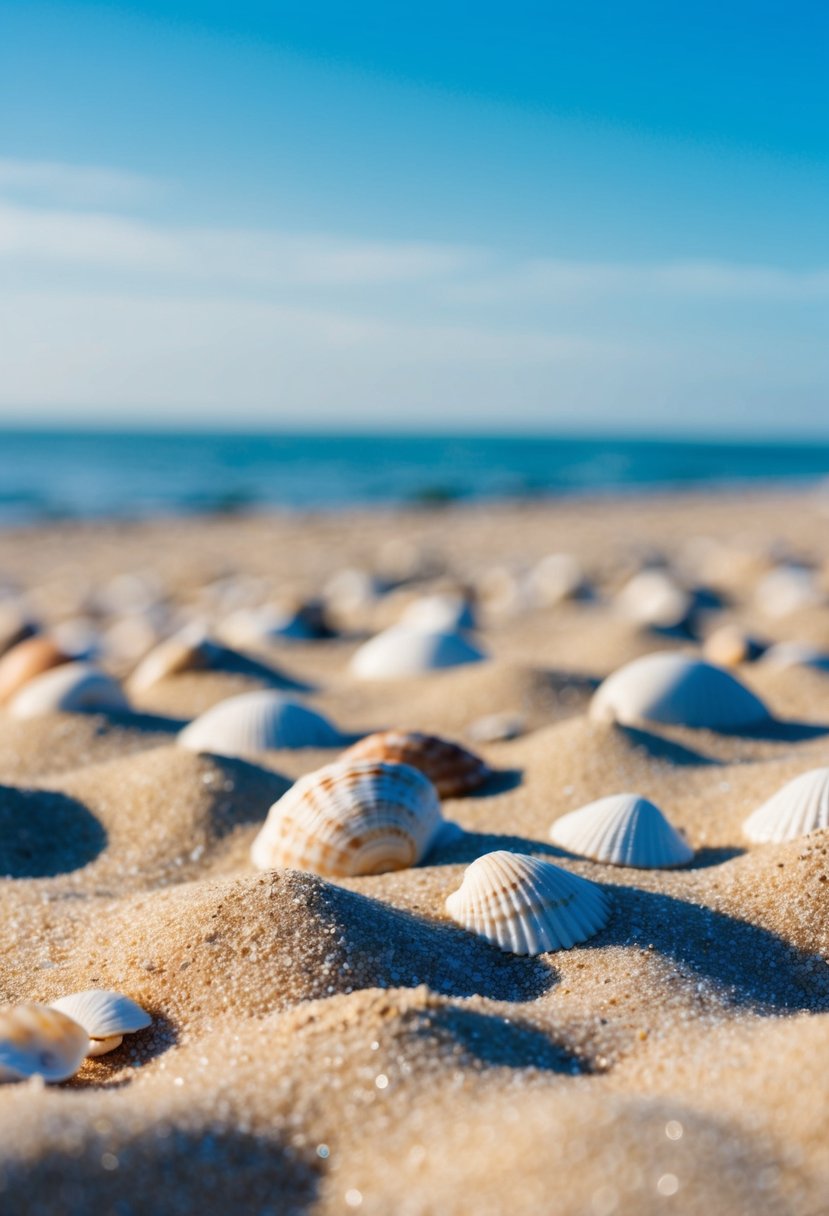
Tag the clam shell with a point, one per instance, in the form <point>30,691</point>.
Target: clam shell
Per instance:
<point>351,819</point>
<point>403,651</point>
<point>652,597</point>
<point>70,688</point>
<point>527,906</point>
<point>189,650</point>
<point>103,1014</point>
<point>556,578</point>
<point>679,690</point>
<point>26,660</point>
<point>800,807</point>
<point>258,722</point>
<point>452,769</point>
<point>445,613</point>
<point>622,830</point>
<point>38,1041</point>
<point>729,646</point>
<point>100,1047</point>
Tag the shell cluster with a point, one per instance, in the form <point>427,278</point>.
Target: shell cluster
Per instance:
<point>800,807</point>
<point>258,722</point>
<point>623,830</point>
<point>452,769</point>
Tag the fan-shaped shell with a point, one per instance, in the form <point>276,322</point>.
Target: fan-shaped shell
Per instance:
<point>350,819</point>
<point>71,688</point>
<point>622,830</point>
<point>403,651</point>
<point>189,650</point>
<point>258,722</point>
<point>527,906</point>
<point>674,688</point>
<point>38,1041</point>
<point>800,807</point>
<point>26,660</point>
<point>103,1015</point>
<point>452,769</point>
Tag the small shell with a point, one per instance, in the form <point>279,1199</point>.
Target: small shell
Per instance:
<point>556,578</point>
<point>674,688</point>
<point>452,769</point>
<point>622,830</point>
<point>403,651</point>
<point>652,597</point>
<point>800,807</point>
<point>71,688</point>
<point>784,655</point>
<point>350,819</point>
<point>258,722</point>
<point>729,646</point>
<point>25,661</point>
<point>103,1014</point>
<point>495,728</point>
<point>527,906</point>
<point>189,650</point>
<point>38,1041</point>
<point>100,1047</point>
<point>439,613</point>
<point>288,621</point>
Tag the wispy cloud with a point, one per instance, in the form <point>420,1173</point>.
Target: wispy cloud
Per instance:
<point>57,183</point>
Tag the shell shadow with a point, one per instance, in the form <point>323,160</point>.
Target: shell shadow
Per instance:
<point>499,781</point>
<point>234,662</point>
<point>151,724</point>
<point>464,846</point>
<point>658,748</point>
<point>704,858</point>
<point>497,1042</point>
<point>105,1072</point>
<point>43,834</point>
<point>785,731</point>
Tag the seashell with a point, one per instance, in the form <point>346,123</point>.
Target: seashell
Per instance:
<point>679,690</point>
<point>105,1016</point>
<point>786,589</point>
<point>622,830</point>
<point>70,688</point>
<point>285,622</point>
<point>36,1041</point>
<point>351,819</point>
<point>445,613</point>
<point>258,722</point>
<point>495,728</point>
<point>796,654</point>
<point>188,650</point>
<point>729,646</point>
<point>653,598</point>
<point>800,807</point>
<point>527,906</point>
<point>402,651</point>
<point>26,660</point>
<point>452,769</point>
<point>556,578</point>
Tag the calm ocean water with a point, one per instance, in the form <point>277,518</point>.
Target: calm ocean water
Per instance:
<point>47,475</point>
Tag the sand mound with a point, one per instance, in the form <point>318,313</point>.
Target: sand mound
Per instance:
<point>58,743</point>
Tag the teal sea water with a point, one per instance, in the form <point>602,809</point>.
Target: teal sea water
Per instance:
<point>47,475</point>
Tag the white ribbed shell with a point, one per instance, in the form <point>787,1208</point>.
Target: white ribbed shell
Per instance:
<point>800,807</point>
<point>350,819</point>
<point>404,651</point>
<point>622,830</point>
<point>258,722</point>
<point>527,906</point>
<point>72,688</point>
<point>673,688</point>
<point>103,1014</point>
<point>38,1041</point>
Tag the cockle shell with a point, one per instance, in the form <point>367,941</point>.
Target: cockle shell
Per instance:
<point>452,769</point>
<point>403,651</point>
<point>26,660</point>
<point>676,689</point>
<point>622,830</point>
<point>188,650</point>
<point>105,1016</point>
<point>527,906</point>
<point>38,1041</point>
<point>350,819</point>
<point>800,807</point>
<point>258,722</point>
<point>71,688</point>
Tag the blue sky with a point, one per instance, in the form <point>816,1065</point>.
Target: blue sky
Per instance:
<point>527,216</point>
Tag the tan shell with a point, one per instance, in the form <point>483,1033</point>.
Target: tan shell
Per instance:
<point>38,1041</point>
<point>25,661</point>
<point>452,769</point>
<point>186,651</point>
<point>729,646</point>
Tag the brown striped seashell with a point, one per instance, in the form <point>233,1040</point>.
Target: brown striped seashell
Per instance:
<point>26,660</point>
<point>452,769</point>
<point>36,1041</point>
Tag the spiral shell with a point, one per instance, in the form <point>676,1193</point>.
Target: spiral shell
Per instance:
<point>70,688</point>
<point>527,906</point>
<point>258,722</point>
<point>452,769</point>
<point>622,830</point>
<point>38,1041</point>
<point>26,660</point>
<point>351,819</point>
<point>105,1016</point>
<point>800,807</point>
<point>405,651</point>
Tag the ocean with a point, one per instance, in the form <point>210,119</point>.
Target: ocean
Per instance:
<point>83,474</point>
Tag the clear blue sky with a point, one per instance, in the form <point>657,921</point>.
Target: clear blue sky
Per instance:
<point>482,216</point>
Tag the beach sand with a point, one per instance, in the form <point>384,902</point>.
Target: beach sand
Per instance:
<point>334,1046</point>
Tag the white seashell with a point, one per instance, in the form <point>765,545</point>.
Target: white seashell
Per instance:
<point>272,623</point>
<point>674,688</point>
<point>36,1041</point>
<point>796,654</point>
<point>402,651</point>
<point>800,807</point>
<point>527,906</point>
<point>104,1015</point>
<point>71,688</point>
<point>439,614</point>
<point>556,578</point>
<point>787,589</point>
<point>622,830</point>
<point>258,722</point>
<point>351,819</point>
<point>653,598</point>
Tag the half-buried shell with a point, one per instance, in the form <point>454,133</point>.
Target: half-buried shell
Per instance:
<point>26,660</point>
<point>36,1041</point>
<point>258,722</point>
<point>452,769</point>
<point>105,1016</point>
<point>622,830</point>
<point>71,688</point>
<point>800,807</point>
<point>403,651</point>
<point>188,650</point>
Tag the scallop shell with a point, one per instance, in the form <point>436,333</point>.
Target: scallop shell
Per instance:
<point>71,688</point>
<point>800,807</point>
<point>527,906</point>
<point>105,1016</point>
<point>26,660</point>
<point>676,689</point>
<point>258,722</point>
<point>452,769</point>
<point>622,830</point>
<point>189,650</point>
<point>351,819</point>
<point>403,651</point>
<point>38,1041</point>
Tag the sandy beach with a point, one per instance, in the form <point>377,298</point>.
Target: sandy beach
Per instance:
<point>326,1045</point>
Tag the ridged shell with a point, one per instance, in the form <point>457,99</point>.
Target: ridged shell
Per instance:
<point>272,623</point>
<point>72,688</point>
<point>103,1014</point>
<point>527,906</point>
<point>351,819</point>
<point>189,650</point>
<point>402,651</point>
<point>38,1041</point>
<point>622,830</point>
<point>258,722</point>
<point>800,807</point>
<point>452,769</point>
<point>675,689</point>
<point>26,660</point>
